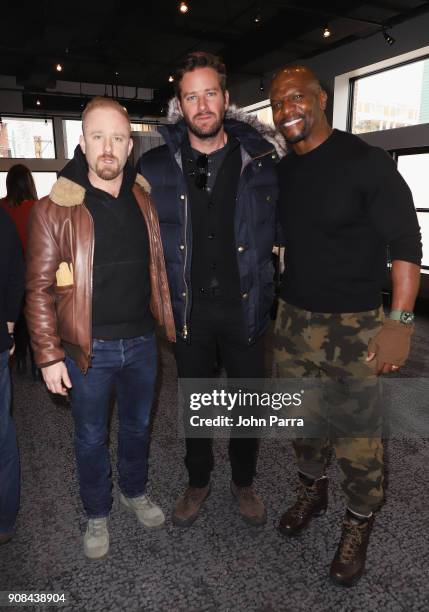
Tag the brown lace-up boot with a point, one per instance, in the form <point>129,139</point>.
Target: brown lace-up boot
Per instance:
<point>312,501</point>
<point>188,505</point>
<point>251,506</point>
<point>349,562</point>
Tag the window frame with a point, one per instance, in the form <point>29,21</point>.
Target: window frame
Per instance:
<point>354,79</point>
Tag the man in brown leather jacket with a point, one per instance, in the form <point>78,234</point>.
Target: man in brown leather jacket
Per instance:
<point>96,284</point>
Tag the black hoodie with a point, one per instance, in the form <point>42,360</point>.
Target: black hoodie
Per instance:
<point>121,283</point>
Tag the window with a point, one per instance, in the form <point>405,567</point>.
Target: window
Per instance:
<point>43,181</point>
<point>72,129</point>
<point>414,167</point>
<point>392,98</point>
<point>264,114</point>
<point>26,137</point>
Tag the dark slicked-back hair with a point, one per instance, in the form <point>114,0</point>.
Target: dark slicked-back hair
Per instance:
<point>20,185</point>
<point>199,59</point>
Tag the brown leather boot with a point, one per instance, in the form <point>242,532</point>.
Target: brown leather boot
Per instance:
<point>251,506</point>
<point>349,562</point>
<point>188,505</point>
<point>312,501</point>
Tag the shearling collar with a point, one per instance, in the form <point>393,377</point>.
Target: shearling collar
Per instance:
<point>68,193</point>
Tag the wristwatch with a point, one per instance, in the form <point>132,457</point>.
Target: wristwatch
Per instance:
<point>404,316</point>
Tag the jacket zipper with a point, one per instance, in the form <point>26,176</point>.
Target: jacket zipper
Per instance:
<point>91,284</point>
<point>185,326</point>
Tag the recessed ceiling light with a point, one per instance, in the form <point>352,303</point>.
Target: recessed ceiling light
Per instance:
<point>38,103</point>
<point>58,68</point>
<point>183,7</point>
<point>170,78</point>
<point>257,19</point>
<point>326,32</point>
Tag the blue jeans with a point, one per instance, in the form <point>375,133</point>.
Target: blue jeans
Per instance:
<point>128,366</point>
<point>10,486</point>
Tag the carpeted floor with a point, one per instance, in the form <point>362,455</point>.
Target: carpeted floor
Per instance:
<point>219,564</point>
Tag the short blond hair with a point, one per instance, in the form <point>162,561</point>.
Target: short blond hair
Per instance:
<point>101,102</point>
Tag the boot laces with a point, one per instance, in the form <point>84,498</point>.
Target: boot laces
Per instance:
<point>351,539</point>
<point>307,497</point>
<point>247,493</point>
<point>193,494</point>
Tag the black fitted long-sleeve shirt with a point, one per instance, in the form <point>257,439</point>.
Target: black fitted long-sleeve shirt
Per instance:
<point>341,206</point>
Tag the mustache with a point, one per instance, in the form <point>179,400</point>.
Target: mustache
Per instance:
<point>108,157</point>
<point>294,118</point>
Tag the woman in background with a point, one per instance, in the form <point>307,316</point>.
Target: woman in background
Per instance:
<point>21,194</point>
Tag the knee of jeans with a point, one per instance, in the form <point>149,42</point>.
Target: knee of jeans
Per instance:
<point>137,427</point>
<point>90,435</point>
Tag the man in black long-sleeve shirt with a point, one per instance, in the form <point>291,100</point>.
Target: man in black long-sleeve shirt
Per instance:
<point>11,292</point>
<point>342,204</point>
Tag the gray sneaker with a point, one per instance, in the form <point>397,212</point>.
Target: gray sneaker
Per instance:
<point>96,539</point>
<point>149,514</point>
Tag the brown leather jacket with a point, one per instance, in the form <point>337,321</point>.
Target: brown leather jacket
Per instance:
<point>59,273</point>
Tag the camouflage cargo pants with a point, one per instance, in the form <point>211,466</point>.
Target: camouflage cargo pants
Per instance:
<point>334,346</point>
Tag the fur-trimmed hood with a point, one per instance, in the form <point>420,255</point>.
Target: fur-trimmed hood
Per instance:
<point>267,132</point>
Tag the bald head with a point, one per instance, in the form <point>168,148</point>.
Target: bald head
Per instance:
<point>302,73</point>
<point>298,103</point>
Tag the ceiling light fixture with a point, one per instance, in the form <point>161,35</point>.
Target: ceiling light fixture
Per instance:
<point>170,78</point>
<point>326,32</point>
<point>183,7</point>
<point>257,19</point>
<point>261,84</point>
<point>58,68</point>
<point>389,39</point>
<point>38,103</point>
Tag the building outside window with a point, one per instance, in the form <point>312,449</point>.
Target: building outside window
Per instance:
<point>393,98</point>
<point>26,137</point>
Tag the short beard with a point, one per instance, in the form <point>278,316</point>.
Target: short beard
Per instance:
<point>295,139</point>
<point>302,135</point>
<point>108,174</point>
<point>205,135</point>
